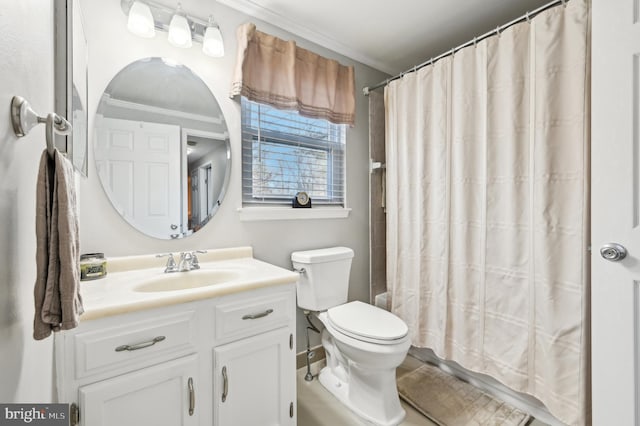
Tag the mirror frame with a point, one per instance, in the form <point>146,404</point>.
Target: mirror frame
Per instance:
<point>64,60</point>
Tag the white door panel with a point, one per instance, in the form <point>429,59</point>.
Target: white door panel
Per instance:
<point>615,211</point>
<point>120,183</point>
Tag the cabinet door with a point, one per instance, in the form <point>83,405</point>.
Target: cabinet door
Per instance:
<point>158,395</point>
<point>260,388</point>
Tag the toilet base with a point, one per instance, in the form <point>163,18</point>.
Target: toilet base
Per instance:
<point>340,390</point>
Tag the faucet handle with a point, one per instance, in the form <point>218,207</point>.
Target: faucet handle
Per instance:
<point>171,262</point>
<point>195,264</point>
<point>169,255</point>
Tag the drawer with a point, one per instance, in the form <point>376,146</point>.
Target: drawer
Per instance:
<point>129,344</point>
<point>250,316</point>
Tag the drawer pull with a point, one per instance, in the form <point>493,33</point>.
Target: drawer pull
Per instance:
<point>225,384</point>
<point>256,316</point>
<point>140,345</point>
<point>192,397</point>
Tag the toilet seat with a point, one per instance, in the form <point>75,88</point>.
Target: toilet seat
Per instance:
<point>367,323</point>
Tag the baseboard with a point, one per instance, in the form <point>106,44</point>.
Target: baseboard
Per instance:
<point>301,358</point>
<point>489,385</point>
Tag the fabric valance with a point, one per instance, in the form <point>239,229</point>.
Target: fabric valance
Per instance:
<point>277,72</point>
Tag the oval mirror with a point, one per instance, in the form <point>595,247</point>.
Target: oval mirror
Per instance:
<point>161,148</point>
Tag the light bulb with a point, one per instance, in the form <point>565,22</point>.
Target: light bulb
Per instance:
<point>179,30</point>
<point>212,44</point>
<point>140,20</point>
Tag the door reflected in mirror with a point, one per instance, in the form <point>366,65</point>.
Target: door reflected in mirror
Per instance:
<point>162,148</point>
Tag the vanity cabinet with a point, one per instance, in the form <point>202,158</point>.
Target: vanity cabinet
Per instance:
<point>224,361</point>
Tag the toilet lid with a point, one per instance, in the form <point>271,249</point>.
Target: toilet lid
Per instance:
<point>361,319</point>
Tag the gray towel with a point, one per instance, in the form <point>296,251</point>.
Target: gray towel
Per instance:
<point>57,289</point>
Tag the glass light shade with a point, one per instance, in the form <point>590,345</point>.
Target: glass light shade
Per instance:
<point>212,44</point>
<point>140,20</point>
<point>179,31</point>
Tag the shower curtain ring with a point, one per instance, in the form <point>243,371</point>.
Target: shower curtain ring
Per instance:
<point>528,17</point>
<point>498,30</point>
<point>431,61</point>
<point>475,42</point>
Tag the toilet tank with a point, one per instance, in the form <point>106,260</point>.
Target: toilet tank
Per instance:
<point>325,280</point>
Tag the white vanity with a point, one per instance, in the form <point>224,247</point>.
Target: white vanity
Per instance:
<point>213,346</point>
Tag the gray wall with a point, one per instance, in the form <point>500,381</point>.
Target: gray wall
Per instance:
<point>26,69</point>
<point>112,47</point>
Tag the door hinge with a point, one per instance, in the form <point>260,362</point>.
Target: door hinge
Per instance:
<point>291,410</point>
<point>74,415</point>
<point>291,341</point>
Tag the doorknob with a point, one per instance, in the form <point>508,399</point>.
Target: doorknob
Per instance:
<point>613,252</point>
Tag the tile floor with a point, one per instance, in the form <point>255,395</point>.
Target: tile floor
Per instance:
<point>317,407</point>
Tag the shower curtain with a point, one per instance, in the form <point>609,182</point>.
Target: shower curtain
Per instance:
<point>487,207</point>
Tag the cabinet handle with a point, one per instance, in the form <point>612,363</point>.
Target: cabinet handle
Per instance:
<point>192,397</point>
<point>256,316</point>
<point>225,384</point>
<point>141,345</point>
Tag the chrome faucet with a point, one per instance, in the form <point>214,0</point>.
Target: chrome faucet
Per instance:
<point>188,261</point>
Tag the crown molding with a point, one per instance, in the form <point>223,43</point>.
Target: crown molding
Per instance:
<point>119,103</point>
<point>251,8</point>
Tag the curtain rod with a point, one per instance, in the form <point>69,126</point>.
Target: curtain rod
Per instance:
<point>526,17</point>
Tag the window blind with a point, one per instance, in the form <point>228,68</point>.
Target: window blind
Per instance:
<point>284,152</point>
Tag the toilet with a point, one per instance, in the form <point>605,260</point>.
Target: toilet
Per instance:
<point>364,344</point>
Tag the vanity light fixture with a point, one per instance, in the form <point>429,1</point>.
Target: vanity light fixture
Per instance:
<point>147,16</point>
<point>140,20</point>
<point>212,45</point>
<point>179,29</point>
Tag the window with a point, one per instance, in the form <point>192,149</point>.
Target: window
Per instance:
<point>283,153</point>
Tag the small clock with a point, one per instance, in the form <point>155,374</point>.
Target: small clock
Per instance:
<point>301,200</point>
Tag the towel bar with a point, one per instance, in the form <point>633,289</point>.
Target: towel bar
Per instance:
<point>24,118</point>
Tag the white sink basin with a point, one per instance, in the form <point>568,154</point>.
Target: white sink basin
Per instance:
<point>187,280</point>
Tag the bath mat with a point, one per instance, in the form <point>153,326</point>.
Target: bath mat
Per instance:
<point>448,401</point>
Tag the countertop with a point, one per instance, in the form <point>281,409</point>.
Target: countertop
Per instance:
<point>116,293</point>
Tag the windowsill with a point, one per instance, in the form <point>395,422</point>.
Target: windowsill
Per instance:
<point>252,214</point>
